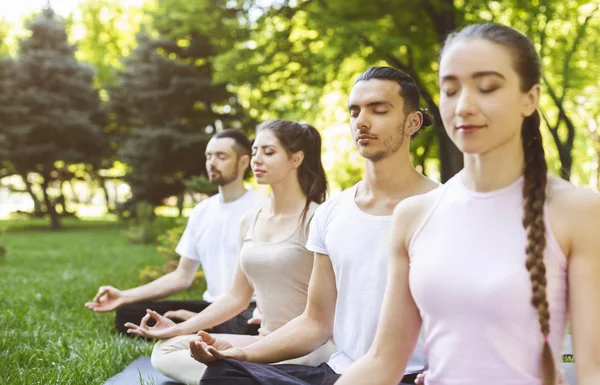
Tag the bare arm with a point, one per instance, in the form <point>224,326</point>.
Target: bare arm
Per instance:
<point>584,285</point>
<point>308,331</point>
<point>109,298</point>
<point>222,310</point>
<point>298,337</point>
<point>399,322</point>
<point>168,284</point>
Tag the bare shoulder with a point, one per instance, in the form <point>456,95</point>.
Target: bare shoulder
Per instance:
<point>574,214</point>
<point>573,203</point>
<point>410,212</point>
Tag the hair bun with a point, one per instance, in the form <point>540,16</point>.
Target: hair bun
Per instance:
<point>428,119</point>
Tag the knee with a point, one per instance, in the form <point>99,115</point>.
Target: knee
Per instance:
<point>159,358</point>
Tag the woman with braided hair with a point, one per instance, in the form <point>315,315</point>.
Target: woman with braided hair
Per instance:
<point>493,264</point>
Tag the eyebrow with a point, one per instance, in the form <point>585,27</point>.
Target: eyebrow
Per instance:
<point>374,103</point>
<point>264,146</point>
<point>476,75</point>
<point>215,153</point>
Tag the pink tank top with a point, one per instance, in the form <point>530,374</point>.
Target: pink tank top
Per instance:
<point>469,281</point>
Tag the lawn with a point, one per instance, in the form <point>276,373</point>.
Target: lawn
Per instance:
<point>47,336</point>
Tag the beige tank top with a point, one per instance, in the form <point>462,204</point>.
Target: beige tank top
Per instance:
<point>279,273</point>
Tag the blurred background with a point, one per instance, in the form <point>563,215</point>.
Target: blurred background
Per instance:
<point>108,103</point>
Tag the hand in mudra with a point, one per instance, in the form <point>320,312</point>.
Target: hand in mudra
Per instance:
<point>206,348</point>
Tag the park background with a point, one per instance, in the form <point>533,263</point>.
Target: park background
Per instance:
<point>106,107</point>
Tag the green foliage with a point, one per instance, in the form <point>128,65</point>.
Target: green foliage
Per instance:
<point>201,184</point>
<point>231,63</point>
<point>3,250</point>
<point>49,278</point>
<point>297,54</point>
<point>299,50</point>
<point>109,30</point>
<point>4,30</point>
<point>164,102</point>
<point>52,119</point>
<point>167,242</point>
<point>147,227</point>
<point>566,37</point>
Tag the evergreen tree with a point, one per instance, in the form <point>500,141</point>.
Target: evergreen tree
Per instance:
<point>56,120</point>
<point>164,101</point>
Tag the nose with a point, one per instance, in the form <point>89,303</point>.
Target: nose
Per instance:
<point>361,121</point>
<point>465,104</point>
<point>256,158</point>
<point>210,163</point>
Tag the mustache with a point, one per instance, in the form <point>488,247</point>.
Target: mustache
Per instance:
<point>365,133</point>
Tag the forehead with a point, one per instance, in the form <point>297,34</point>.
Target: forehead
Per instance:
<point>225,145</point>
<point>265,137</point>
<point>465,57</point>
<point>367,91</point>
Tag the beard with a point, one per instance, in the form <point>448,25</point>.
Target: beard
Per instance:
<point>221,179</point>
<point>391,145</point>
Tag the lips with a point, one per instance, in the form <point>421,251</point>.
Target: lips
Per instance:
<point>469,127</point>
<point>364,137</point>
<point>258,172</point>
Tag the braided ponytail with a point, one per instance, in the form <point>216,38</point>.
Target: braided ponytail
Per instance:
<point>534,197</point>
<point>527,65</point>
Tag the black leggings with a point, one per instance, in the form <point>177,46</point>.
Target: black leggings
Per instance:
<point>233,372</point>
<point>134,312</point>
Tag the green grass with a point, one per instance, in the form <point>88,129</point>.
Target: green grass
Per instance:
<point>47,336</point>
<point>43,224</point>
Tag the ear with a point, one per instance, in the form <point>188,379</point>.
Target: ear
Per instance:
<point>414,123</point>
<point>243,162</point>
<point>297,158</point>
<point>530,100</point>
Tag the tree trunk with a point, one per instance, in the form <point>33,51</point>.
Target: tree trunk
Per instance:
<point>102,183</point>
<point>50,209</point>
<point>443,16</point>
<point>62,200</point>
<point>180,200</point>
<point>37,205</point>
<point>566,161</point>
<point>451,159</point>
<point>565,149</point>
<point>73,192</point>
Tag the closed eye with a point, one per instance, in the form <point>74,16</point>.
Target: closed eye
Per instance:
<point>449,92</point>
<point>488,90</point>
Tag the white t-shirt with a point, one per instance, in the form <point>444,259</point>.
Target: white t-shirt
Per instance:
<point>211,237</point>
<point>356,243</point>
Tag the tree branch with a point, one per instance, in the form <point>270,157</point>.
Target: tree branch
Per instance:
<point>571,52</point>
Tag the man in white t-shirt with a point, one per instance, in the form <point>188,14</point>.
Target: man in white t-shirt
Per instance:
<point>210,239</point>
<point>348,235</point>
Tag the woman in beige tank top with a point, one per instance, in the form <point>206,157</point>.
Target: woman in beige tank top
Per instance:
<point>273,260</point>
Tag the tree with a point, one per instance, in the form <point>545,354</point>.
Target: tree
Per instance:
<point>166,105</point>
<point>564,33</point>
<point>56,117</point>
<point>108,34</point>
<point>295,50</point>
<point>4,30</point>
